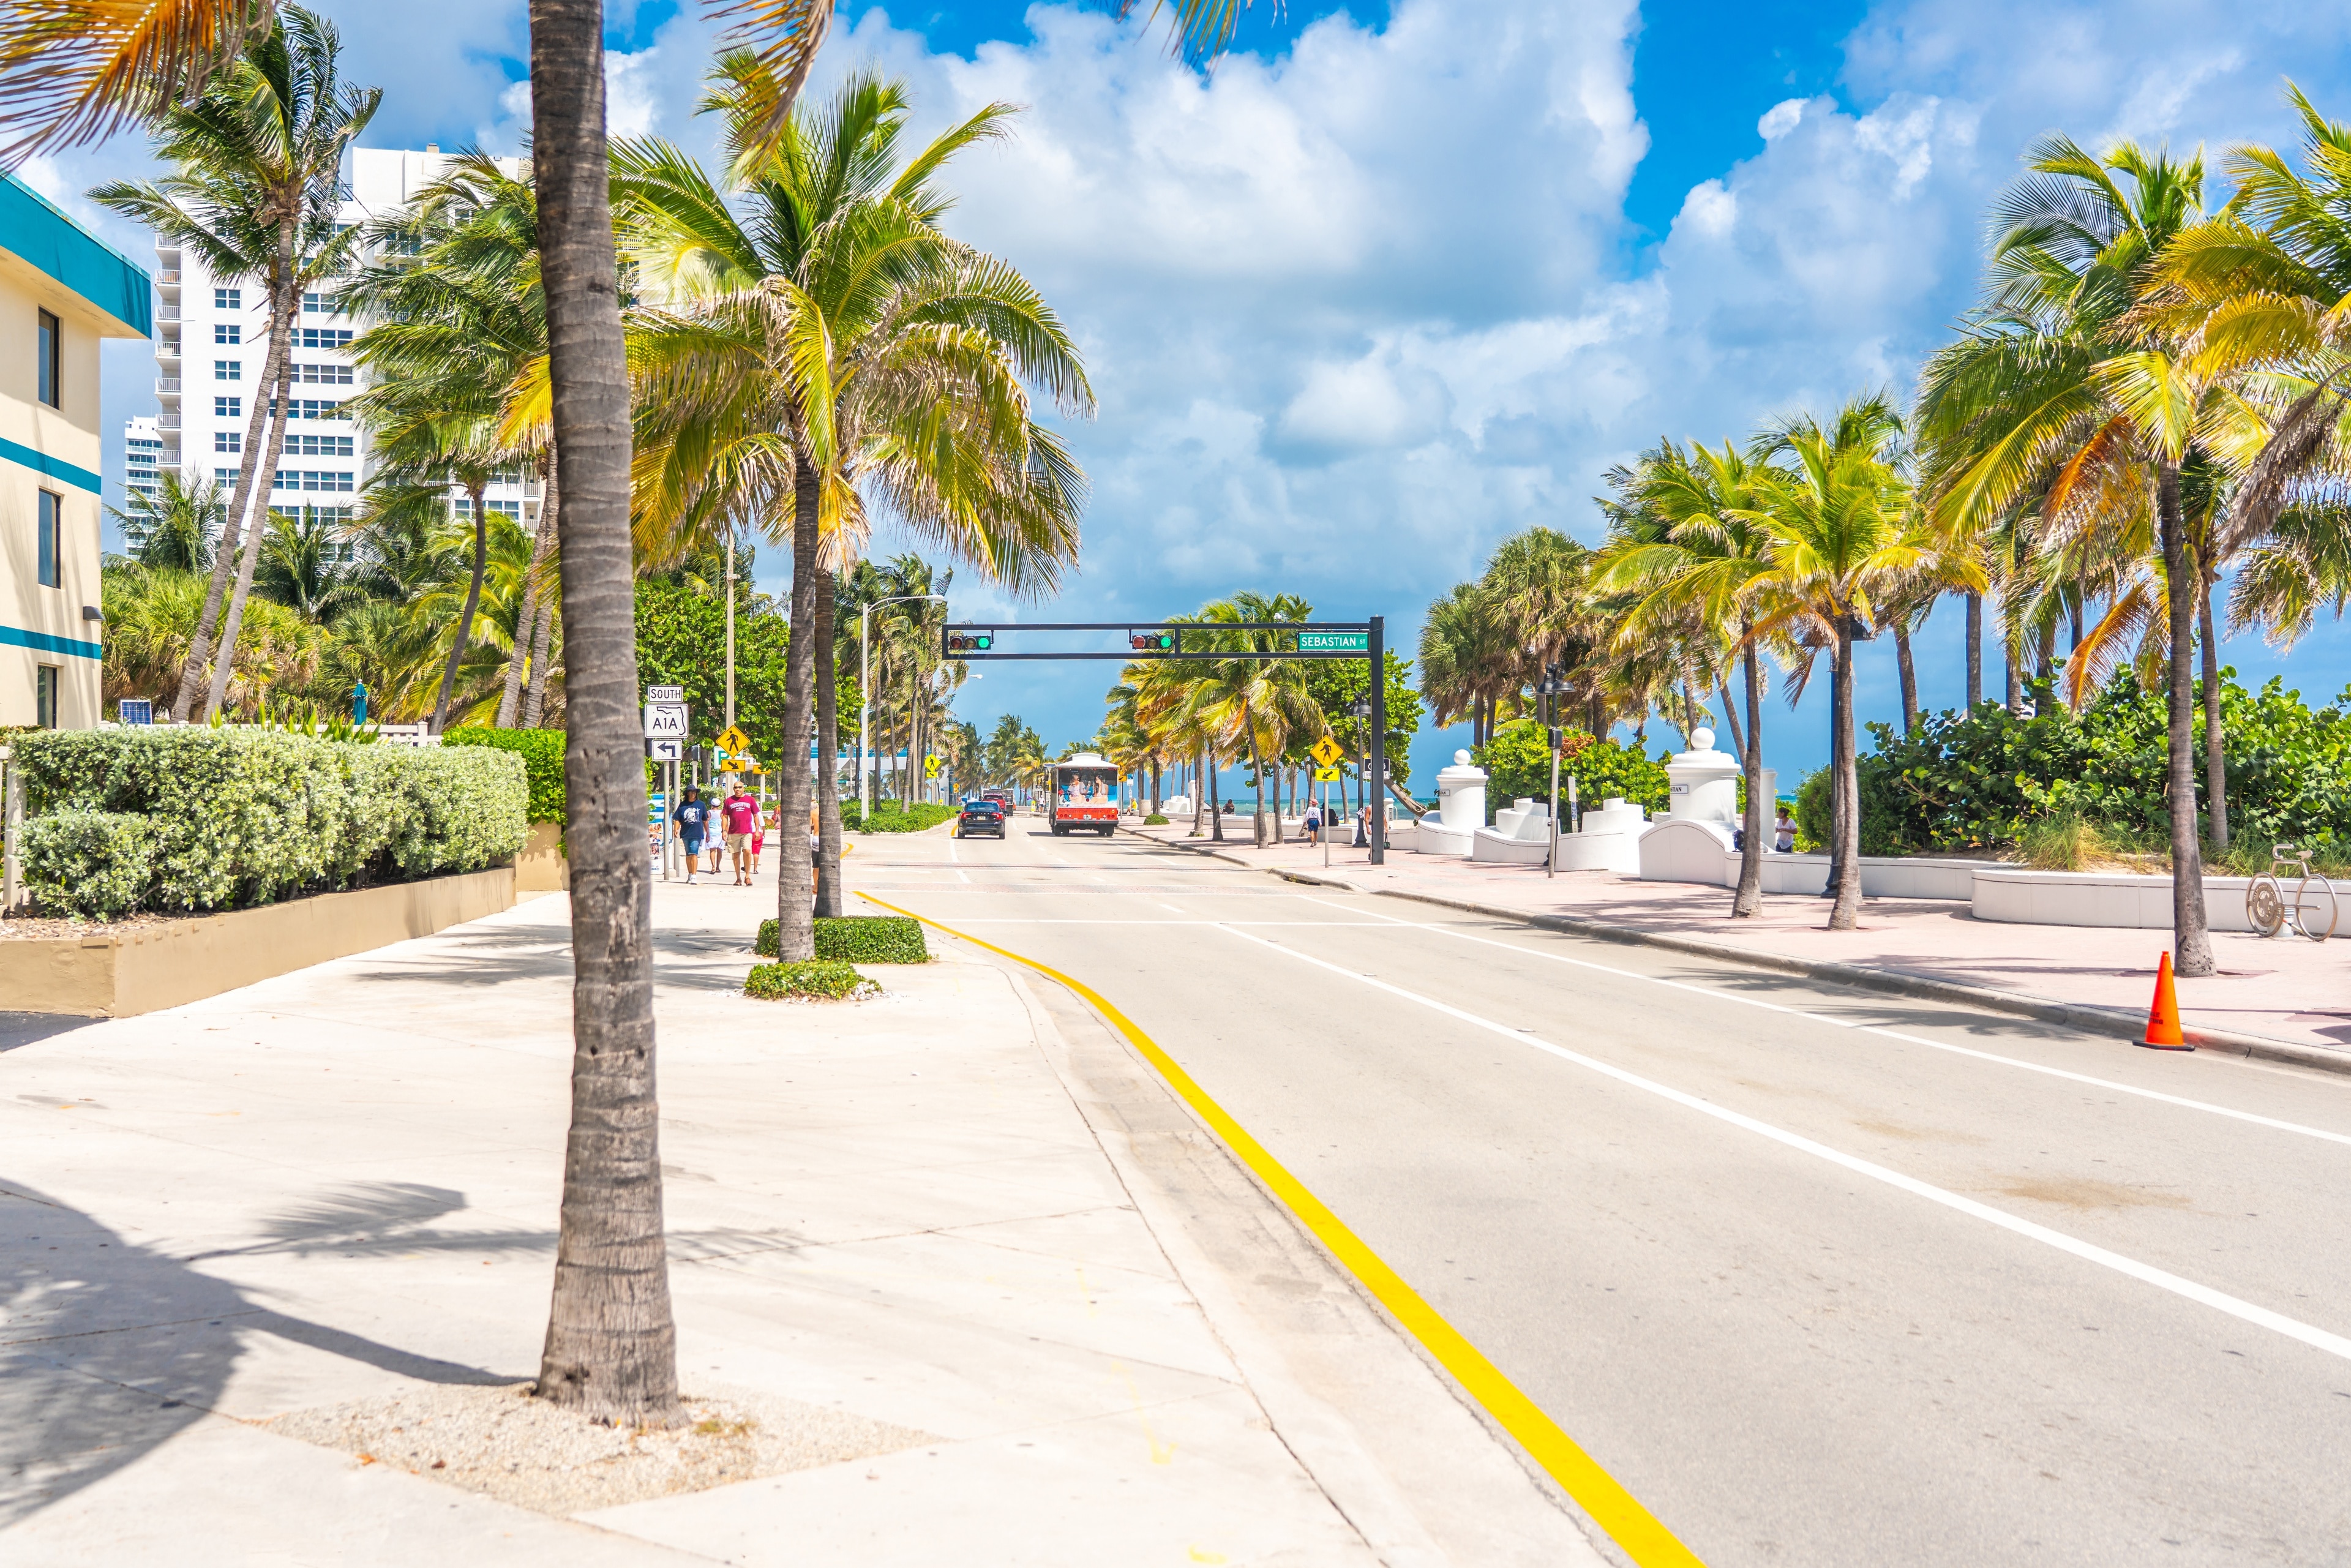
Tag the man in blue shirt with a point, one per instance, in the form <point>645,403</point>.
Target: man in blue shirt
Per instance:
<point>693,821</point>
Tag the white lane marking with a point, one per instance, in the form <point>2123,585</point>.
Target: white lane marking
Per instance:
<point>1171,907</point>
<point>2182,1100</point>
<point>2131,1268</point>
<point>961,875</point>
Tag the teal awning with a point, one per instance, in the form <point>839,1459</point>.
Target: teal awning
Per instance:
<point>46,238</point>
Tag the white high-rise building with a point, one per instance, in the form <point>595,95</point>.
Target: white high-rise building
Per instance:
<point>211,340</point>
<point>142,449</point>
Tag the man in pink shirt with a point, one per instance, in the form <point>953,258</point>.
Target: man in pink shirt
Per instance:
<point>738,815</point>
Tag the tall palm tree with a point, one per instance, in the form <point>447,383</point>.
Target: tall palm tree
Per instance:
<point>1256,704</point>
<point>257,160</point>
<point>70,73</point>
<point>824,348</point>
<point>1469,658</point>
<point>1839,529</point>
<point>2061,393</point>
<point>1706,555</point>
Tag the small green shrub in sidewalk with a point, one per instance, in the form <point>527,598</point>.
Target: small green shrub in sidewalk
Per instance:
<point>858,939</point>
<point>827,979</point>
<point>1155,821</point>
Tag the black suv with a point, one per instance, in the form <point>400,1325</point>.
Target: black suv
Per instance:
<point>980,817</point>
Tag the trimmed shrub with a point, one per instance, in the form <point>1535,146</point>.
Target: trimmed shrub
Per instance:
<point>542,751</point>
<point>248,816</point>
<point>872,939</point>
<point>828,980</point>
<point>857,938</point>
<point>1155,821</point>
<point>96,863</point>
<point>889,816</point>
<point>1517,765</point>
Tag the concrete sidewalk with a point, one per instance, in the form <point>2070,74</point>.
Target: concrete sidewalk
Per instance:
<point>964,1209</point>
<point>2285,989</point>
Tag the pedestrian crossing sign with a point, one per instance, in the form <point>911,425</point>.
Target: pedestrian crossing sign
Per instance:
<point>1326,776</point>
<point>734,739</point>
<point>930,766</point>
<point>1327,752</point>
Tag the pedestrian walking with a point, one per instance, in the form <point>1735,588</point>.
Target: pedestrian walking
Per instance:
<point>1783,832</point>
<point>693,821</point>
<point>1313,823</point>
<point>740,815</point>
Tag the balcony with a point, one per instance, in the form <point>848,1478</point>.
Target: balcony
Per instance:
<point>168,386</point>
<point>167,351</point>
<point>167,421</point>
<point>167,311</point>
<point>168,277</point>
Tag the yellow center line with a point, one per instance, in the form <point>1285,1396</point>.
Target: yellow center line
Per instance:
<point>1648,1543</point>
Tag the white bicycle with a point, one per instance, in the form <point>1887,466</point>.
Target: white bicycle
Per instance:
<point>2313,909</point>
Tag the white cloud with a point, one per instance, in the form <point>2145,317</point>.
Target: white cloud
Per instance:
<point>1779,119</point>
<point>1709,211</point>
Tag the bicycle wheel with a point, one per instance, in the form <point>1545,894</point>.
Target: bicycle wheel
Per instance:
<point>2315,908</point>
<point>2265,904</point>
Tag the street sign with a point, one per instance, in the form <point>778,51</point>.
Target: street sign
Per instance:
<point>664,750</point>
<point>666,696</point>
<point>734,739</point>
<point>1327,752</point>
<point>930,766</point>
<point>1326,776</point>
<point>1334,642</point>
<point>665,721</point>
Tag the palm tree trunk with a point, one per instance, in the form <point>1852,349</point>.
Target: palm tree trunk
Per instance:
<point>611,1342</point>
<point>2191,940</point>
<point>2012,692</point>
<point>527,627</point>
<point>1975,650</point>
<point>1836,777</point>
<point>224,557</point>
<point>1199,792</point>
<point>2216,764</point>
<point>1749,900</point>
<point>1910,676</point>
<point>1730,722</point>
<point>1847,909</point>
<point>1256,794</point>
<point>534,702</point>
<point>464,616</point>
<point>1216,817</point>
<point>828,755</point>
<point>284,302</point>
<point>796,932</point>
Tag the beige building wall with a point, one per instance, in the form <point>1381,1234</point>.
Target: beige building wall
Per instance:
<point>55,449</point>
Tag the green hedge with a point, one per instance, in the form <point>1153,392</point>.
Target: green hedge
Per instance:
<point>858,938</point>
<point>889,816</point>
<point>542,751</point>
<point>824,978</point>
<point>1518,766</point>
<point>235,816</point>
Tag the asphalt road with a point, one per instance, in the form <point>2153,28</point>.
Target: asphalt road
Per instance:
<point>1820,1277</point>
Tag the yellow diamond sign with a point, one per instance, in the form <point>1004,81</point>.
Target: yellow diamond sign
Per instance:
<point>734,739</point>
<point>1327,752</point>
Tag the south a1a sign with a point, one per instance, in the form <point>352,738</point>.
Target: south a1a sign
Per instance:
<point>665,721</point>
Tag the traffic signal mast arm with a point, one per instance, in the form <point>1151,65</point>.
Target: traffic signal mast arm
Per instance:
<point>1312,639</point>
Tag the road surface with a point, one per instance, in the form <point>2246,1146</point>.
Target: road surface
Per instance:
<point>1820,1277</point>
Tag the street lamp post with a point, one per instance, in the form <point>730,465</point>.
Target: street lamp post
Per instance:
<point>1360,710</point>
<point>1549,690</point>
<point>865,698</point>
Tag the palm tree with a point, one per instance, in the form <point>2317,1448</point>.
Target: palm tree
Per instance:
<point>1690,543</point>
<point>69,74</point>
<point>258,159</point>
<point>175,523</point>
<point>1839,529</point>
<point>2060,394</point>
<point>827,348</point>
<point>1469,659</point>
<point>304,565</point>
<point>1257,705</point>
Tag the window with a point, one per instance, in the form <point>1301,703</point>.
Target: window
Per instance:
<point>311,408</point>
<point>228,370</point>
<point>52,367</point>
<point>318,445</point>
<point>326,375</point>
<point>44,696</point>
<point>322,337</point>
<point>227,332</point>
<point>51,564</point>
<point>227,476</point>
<point>229,298</point>
<point>228,408</point>
<point>311,479</point>
<point>319,303</point>
<point>228,441</point>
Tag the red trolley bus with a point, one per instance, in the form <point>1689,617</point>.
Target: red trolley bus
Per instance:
<point>1083,794</point>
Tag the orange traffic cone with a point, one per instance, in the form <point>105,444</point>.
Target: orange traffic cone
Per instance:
<point>2163,1018</point>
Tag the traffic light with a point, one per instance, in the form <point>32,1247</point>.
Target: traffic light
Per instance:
<point>1151,642</point>
<point>969,642</point>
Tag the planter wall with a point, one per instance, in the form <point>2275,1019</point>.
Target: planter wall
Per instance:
<point>151,967</point>
<point>541,867</point>
<point>2021,897</point>
<point>1701,852</point>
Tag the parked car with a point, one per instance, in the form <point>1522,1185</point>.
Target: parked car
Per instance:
<point>980,817</point>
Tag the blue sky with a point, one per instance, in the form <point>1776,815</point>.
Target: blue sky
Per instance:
<point>1398,280</point>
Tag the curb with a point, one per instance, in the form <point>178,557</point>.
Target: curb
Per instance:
<point>2073,1014</point>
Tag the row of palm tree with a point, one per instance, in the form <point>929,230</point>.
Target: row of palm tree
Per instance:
<point>2147,405</point>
